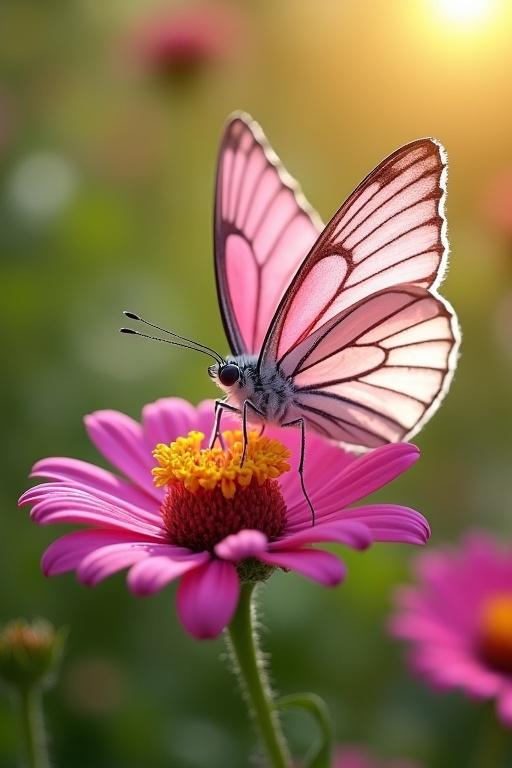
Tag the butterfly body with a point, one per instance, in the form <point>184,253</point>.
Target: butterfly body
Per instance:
<point>269,393</point>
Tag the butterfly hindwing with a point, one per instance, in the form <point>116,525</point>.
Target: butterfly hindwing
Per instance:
<point>264,228</point>
<point>375,372</point>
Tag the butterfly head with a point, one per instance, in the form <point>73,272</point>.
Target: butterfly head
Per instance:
<point>226,375</point>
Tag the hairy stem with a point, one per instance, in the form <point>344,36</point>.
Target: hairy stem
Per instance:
<point>33,728</point>
<point>244,646</point>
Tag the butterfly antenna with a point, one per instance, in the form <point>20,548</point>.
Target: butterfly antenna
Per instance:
<point>191,344</point>
<point>166,341</point>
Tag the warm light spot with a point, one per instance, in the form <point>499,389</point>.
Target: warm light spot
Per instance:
<point>495,632</point>
<point>465,12</point>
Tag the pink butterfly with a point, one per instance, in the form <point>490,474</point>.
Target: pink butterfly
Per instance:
<point>338,329</point>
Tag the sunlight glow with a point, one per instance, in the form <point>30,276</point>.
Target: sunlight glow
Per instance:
<point>465,12</point>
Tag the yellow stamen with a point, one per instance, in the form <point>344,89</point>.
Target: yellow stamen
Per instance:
<point>184,462</point>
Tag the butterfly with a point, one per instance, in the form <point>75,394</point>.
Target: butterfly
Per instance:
<point>337,329</point>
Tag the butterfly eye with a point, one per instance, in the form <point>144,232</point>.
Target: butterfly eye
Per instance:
<point>229,374</point>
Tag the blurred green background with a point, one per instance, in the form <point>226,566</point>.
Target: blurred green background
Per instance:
<point>107,156</point>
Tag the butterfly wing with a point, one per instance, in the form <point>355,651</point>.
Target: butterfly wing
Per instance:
<point>368,342</point>
<point>264,228</point>
<point>390,231</point>
<point>376,372</point>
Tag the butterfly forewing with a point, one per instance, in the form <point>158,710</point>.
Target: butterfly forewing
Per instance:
<point>390,231</point>
<point>264,227</point>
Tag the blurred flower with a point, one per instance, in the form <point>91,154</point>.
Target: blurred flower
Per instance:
<point>30,653</point>
<point>42,185</point>
<point>358,757</point>
<point>182,41</point>
<point>209,521</point>
<point>497,202</point>
<point>459,620</point>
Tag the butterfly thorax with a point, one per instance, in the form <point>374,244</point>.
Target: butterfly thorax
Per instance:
<point>265,387</point>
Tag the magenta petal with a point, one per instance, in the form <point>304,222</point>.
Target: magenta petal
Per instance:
<point>353,534</point>
<point>207,598</point>
<point>105,561</point>
<point>320,454</point>
<point>424,629</point>
<point>121,440</point>
<point>166,419</point>
<point>391,522</point>
<point>59,503</point>
<point>92,478</point>
<point>360,478</point>
<point>246,543</point>
<point>152,574</point>
<point>205,411</point>
<point>323,567</point>
<point>67,552</point>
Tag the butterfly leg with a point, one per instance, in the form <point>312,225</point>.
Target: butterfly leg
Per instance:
<point>300,423</point>
<point>220,405</point>
<point>247,404</point>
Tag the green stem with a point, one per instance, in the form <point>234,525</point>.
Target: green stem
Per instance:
<point>245,649</point>
<point>33,728</point>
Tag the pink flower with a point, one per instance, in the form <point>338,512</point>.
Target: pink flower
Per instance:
<point>180,41</point>
<point>202,526</point>
<point>358,757</point>
<point>459,620</point>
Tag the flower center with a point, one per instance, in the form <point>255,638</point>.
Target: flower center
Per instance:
<point>210,495</point>
<point>495,640</point>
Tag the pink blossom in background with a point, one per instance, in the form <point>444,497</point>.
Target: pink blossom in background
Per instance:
<point>359,757</point>
<point>182,40</point>
<point>497,202</point>
<point>458,620</point>
<point>132,524</point>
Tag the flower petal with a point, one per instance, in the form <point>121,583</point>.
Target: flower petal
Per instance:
<point>360,478</point>
<point>353,534</point>
<point>104,562</point>
<point>313,563</point>
<point>246,543</point>
<point>152,574</point>
<point>67,552</point>
<point>320,454</point>
<point>62,503</point>
<point>92,478</point>
<point>166,419</point>
<point>456,668</point>
<point>120,439</point>
<point>391,522</point>
<point>207,598</point>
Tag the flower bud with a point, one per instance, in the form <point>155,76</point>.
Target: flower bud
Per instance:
<point>30,652</point>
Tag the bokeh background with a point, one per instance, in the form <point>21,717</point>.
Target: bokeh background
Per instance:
<point>109,128</point>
